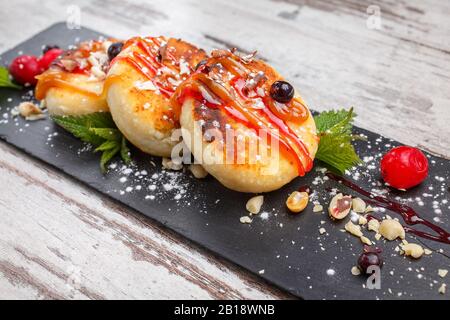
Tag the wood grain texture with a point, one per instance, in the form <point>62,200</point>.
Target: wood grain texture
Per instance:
<point>59,239</point>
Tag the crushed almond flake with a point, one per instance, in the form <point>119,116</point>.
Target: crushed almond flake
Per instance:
<point>317,208</point>
<point>368,209</point>
<point>373,225</point>
<point>30,111</point>
<point>322,230</point>
<point>428,251</point>
<point>353,229</point>
<point>358,205</point>
<point>391,229</point>
<point>412,249</point>
<point>362,220</point>
<point>245,220</point>
<point>442,273</point>
<point>254,204</point>
<point>442,288</point>
<point>169,164</point>
<point>365,240</point>
<point>355,271</point>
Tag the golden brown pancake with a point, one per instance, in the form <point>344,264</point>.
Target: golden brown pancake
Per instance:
<point>140,83</point>
<point>73,85</point>
<point>237,131</point>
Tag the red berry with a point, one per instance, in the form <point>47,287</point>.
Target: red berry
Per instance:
<point>24,69</point>
<point>370,257</point>
<point>404,167</point>
<point>49,57</point>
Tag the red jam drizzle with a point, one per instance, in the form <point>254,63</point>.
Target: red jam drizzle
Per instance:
<point>252,118</point>
<point>147,63</point>
<point>406,212</point>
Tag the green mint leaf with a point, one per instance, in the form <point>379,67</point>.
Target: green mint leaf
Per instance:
<point>107,155</point>
<point>335,132</point>
<point>330,119</point>
<point>99,130</point>
<point>107,145</point>
<point>337,152</point>
<point>78,129</point>
<point>107,133</point>
<point>125,151</point>
<point>5,80</point>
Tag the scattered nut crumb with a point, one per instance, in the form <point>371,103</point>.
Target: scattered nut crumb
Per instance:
<point>317,208</point>
<point>30,111</point>
<point>442,273</point>
<point>366,240</point>
<point>362,220</point>
<point>198,171</point>
<point>391,229</point>
<point>373,225</point>
<point>353,229</point>
<point>297,201</point>
<point>245,219</point>
<point>339,206</point>
<point>377,236</point>
<point>428,251</point>
<point>368,209</point>
<point>254,204</point>
<point>355,271</point>
<point>169,164</point>
<point>358,205</point>
<point>442,288</point>
<point>412,249</point>
<point>322,230</point>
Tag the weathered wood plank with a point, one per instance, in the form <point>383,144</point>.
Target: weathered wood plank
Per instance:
<point>59,240</point>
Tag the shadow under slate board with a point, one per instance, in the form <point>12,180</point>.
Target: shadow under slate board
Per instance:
<point>285,249</point>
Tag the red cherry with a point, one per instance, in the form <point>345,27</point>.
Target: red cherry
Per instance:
<point>404,167</point>
<point>49,57</point>
<point>24,69</point>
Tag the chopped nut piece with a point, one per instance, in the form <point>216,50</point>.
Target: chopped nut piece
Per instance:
<point>30,111</point>
<point>373,225</point>
<point>355,271</point>
<point>366,240</point>
<point>362,220</point>
<point>377,236</point>
<point>412,249</point>
<point>442,273</point>
<point>391,229</point>
<point>353,229</point>
<point>254,204</point>
<point>245,219</point>
<point>169,164</point>
<point>368,209</point>
<point>317,208</point>
<point>322,230</point>
<point>198,171</point>
<point>297,201</point>
<point>428,251</point>
<point>358,205</point>
<point>442,288</point>
<point>220,53</point>
<point>340,206</point>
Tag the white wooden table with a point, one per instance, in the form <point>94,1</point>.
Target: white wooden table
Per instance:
<point>59,239</point>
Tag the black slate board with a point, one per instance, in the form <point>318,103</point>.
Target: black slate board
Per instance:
<point>289,248</point>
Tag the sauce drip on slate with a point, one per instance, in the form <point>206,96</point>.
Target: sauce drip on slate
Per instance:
<point>408,214</point>
<point>235,101</point>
